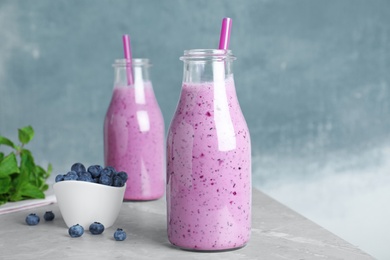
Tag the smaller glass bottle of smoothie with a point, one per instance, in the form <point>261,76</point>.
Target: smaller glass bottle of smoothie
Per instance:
<point>208,158</point>
<point>134,132</point>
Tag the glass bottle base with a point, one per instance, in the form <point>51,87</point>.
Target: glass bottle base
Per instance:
<point>208,250</point>
<point>140,199</point>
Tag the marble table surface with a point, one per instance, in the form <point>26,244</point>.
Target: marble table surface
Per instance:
<point>277,233</point>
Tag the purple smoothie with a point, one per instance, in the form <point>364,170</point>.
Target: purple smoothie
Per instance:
<point>208,170</point>
<point>134,140</point>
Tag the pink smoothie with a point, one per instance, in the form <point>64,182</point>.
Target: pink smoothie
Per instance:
<point>134,141</point>
<point>209,170</point>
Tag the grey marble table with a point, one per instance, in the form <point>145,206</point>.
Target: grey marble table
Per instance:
<point>277,233</point>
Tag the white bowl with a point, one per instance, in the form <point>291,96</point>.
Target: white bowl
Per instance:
<point>83,202</point>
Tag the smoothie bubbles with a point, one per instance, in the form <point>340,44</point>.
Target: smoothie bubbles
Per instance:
<point>209,156</point>
<point>134,129</point>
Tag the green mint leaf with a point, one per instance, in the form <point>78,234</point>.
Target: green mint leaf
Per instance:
<point>27,167</point>
<point>7,142</point>
<point>5,184</point>
<point>41,177</point>
<point>8,165</point>
<point>25,151</point>
<point>26,134</point>
<point>42,173</point>
<point>38,183</point>
<point>49,170</point>
<point>28,190</point>
<point>17,180</point>
<point>3,200</point>
<point>1,156</point>
<point>15,196</point>
<point>44,187</point>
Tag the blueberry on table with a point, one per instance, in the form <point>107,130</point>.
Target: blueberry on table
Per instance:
<point>120,235</point>
<point>48,216</point>
<point>95,170</point>
<point>78,168</point>
<point>32,219</point>
<point>96,228</point>
<point>76,231</point>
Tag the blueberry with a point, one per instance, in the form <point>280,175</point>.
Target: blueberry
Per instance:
<point>95,170</point>
<point>120,235</point>
<point>32,219</point>
<point>59,177</point>
<point>105,179</point>
<point>118,182</point>
<point>85,176</point>
<point>48,216</point>
<point>76,231</point>
<point>123,175</point>
<point>72,175</point>
<point>112,169</point>
<point>105,171</point>
<point>96,228</point>
<point>78,167</point>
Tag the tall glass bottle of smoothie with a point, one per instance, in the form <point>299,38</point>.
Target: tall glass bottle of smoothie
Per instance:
<point>208,158</point>
<point>134,132</point>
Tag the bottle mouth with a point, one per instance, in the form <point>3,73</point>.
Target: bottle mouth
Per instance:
<point>207,54</point>
<point>134,62</point>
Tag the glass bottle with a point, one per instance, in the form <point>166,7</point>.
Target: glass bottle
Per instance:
<point>134,132</point>
<point>208,158</point>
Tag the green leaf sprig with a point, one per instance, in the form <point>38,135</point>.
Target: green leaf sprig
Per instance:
<point>20,177</point>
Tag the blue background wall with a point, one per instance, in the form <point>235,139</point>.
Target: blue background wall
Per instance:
<point>312,78</point>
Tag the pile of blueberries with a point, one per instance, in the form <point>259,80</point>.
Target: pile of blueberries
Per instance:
<point>33,219</point>
<point>95,228</point>
<point>94,173</point>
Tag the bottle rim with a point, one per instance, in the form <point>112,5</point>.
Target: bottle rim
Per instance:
<point>135,62</point>
<point>207,54</point>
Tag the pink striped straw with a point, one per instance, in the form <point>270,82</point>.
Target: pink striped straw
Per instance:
<point>128,58</point>
<point>225,33</point>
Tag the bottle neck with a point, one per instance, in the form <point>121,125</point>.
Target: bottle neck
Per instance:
<point>137,71</point>
<point>207,65</point>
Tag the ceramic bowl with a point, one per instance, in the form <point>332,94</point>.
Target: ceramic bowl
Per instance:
<point>83,202</point>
